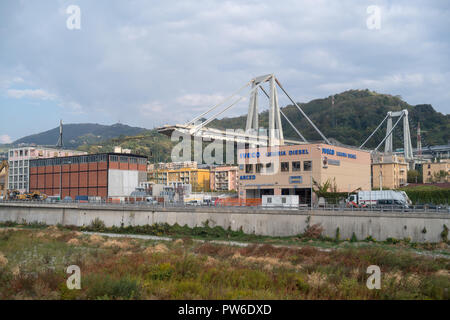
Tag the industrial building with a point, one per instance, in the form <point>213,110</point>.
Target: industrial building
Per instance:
<point>19,159</point>
<point>389,171</point>
<point>101,175</point>
<point>291,170</point>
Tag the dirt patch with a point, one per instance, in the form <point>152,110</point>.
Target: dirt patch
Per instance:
<point>210,261</point>
<point>125,253</point>
<point>40,234</point>
<point>96,239</point>
<point>268,262</point>
<point>74,242</point>
<point>117,244</point>
<point>442,245</point>
<point>3,260</point>
<point>159,248</point>
<point>178,242</point>
<point>52,228</point>
<point>414,280</point>
<point>317,279</point>
<point>443,272</point>
<point>8,229</point>
<point>394,277</point>
<point>15,271</point>
<point>56,235</point>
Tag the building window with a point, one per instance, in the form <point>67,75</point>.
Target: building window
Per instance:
<point>307,165</point>
<point>124,159</point>
<point>258,167</point>
<point>429,166</point>
<point>248,168</point>
<point>285,167</point>
<point>296,166</point>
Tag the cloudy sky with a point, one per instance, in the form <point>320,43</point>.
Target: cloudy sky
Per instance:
<point>148,63</point>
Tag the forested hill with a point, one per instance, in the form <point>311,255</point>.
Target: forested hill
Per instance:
<point>356,114</point>
<point>78,134</point>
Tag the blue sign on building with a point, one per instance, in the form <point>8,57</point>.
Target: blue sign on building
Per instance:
<point>295,179</point>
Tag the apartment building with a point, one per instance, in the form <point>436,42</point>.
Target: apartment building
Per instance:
<point>389,171</point>
<point>224,178</point>
<point>436,172</point>
<point>198,178</point>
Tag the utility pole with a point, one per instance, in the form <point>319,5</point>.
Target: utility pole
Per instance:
<point>332,111</point>
<point>419,142</point>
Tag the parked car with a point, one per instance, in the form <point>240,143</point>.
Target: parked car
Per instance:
<point>391,204</point>
<point>194,203</point>
<point>67,199</point>
<point>52,199</point>
<point>150,200</point>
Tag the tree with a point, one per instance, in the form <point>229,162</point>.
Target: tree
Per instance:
<point>440,176</point>
<point>413,176</point>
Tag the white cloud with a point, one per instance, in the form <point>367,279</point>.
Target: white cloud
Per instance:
<point>30,93</point>
<point>170,61</point>
<point>149,109</point>
<point>199,100</point>
<point>4,138</point>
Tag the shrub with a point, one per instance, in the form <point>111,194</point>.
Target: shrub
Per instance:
<point>314,231</point>
<point>188,267</point>
<point>106,287</point>
<point>353,238</point>
<point>162,271</point>
<point>444,234</point>
<point>392,240</point>
<point>302,284</point>
<point>97,225</point>
<point>338,234</point>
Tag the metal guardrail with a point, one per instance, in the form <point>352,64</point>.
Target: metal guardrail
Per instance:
<point>327,207</point>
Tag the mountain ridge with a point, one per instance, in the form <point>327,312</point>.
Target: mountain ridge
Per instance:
<point>77,134</point>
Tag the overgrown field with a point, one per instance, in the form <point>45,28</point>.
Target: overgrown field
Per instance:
<point>33,265</point>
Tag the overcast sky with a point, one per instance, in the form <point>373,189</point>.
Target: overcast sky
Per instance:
<point>148,63</point>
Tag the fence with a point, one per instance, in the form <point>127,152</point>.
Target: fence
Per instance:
<point>244,205</point>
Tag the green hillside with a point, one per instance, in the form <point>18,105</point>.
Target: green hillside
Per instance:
<point>80,134</point>
<point>150,143</point>
<point>356,114</point>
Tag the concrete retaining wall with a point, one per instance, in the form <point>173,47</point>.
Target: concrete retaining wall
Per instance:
<point>261,222</point>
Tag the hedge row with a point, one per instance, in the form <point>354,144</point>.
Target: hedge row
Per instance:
<point>429,196</point>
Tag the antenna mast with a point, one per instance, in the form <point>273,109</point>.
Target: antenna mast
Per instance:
<point>419,142</point>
